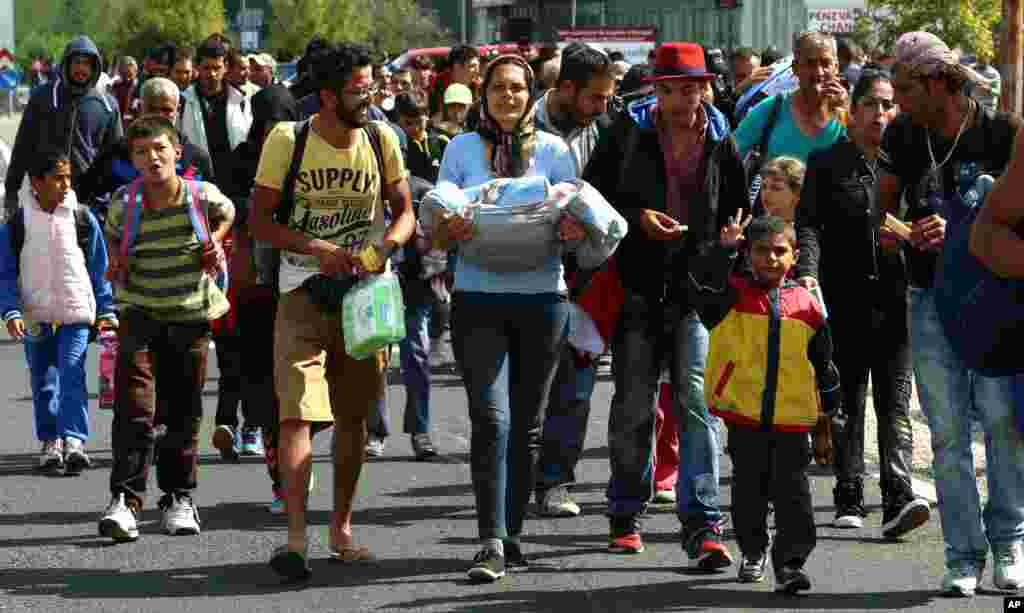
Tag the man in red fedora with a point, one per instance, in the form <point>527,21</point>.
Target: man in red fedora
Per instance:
<point>671,168</point>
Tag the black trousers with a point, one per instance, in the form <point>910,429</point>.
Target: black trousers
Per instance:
<point>871,336</point>
<point>772,467</point>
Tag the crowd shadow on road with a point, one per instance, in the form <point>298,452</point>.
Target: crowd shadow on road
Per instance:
<point>23,464</point>
<point>686,595</point>
<point>215,581</point>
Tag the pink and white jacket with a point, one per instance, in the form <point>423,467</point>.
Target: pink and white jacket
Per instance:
<point>55,284</point>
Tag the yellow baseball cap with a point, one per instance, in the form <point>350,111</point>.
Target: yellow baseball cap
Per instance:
<point>457,93</point>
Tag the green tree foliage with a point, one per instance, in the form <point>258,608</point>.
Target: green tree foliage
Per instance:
<point>43,27</point>
<point>146,23</point>
<point>388,26</point>
<point>964,24</point>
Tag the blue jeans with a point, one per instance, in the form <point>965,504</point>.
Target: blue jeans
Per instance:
<point>415,348</point>
<point>565,427</point>
<point>56,362</point>
<point>377,420</point>
<point>508,352</point>
<point>645,336</point>
<point>952,397</point>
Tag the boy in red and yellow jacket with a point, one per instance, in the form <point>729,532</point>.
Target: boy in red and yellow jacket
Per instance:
<point>770,359</point>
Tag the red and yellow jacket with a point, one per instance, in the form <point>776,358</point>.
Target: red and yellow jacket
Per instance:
<point>770,354</point>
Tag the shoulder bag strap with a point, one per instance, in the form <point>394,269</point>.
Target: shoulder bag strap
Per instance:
<point>373,134</point>
<point>130,221</point>
<point>284,212</point>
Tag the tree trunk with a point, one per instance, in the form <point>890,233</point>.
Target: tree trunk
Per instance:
<point>1012,55</point>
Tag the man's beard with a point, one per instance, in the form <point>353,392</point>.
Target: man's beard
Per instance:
<point>353,117</point>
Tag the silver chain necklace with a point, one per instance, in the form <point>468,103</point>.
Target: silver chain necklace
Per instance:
<point>959,133</point>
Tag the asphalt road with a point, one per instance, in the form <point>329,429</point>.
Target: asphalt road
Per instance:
<point>419,519</point>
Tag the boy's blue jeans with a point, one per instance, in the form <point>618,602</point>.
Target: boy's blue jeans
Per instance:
<point>637,351</point>
<point>56,362</point>
<point>952,397</point>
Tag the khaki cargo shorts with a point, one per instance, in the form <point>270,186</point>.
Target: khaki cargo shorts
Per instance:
<point>316,380</point>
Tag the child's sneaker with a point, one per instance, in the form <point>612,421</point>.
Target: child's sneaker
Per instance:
<point>118,521</point>
<point>224,442</point>
<point>752,569</point>
<point>75,458</point>
<point>180,515</point>
<point>704,545</point>
<point>51,458</point>
<point>792,580</point>
<point>625,535</point>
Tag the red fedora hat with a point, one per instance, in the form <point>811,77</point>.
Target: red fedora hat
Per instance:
<point>680,61</point>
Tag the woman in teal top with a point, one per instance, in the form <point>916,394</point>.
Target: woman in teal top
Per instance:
<point>811,118</point>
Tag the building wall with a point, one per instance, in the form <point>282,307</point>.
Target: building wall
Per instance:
<point>757,23</point>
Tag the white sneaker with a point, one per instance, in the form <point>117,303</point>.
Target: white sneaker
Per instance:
<point>848,521</point>
<point>1008,574</point>
<point>180,515</point>
<point>961,581</point>
<point>118,522</point>
<point>374,446</point>
<point>664,496</point>
<point>557,502</point>
<point>52,456</point>
<point>75,458</point>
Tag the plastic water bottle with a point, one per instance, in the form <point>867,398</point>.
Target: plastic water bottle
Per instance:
<point>108,360</point>
<point>976,194</point>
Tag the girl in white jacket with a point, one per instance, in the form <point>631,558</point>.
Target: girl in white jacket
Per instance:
<point>52,292</point>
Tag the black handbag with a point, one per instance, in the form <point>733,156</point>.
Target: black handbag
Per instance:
<point>328,292</point>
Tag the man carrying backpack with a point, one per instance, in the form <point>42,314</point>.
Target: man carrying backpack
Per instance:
<point>165,234</point>
<point>935,151</point>
<point>319,198</point>
<point>52,291</point>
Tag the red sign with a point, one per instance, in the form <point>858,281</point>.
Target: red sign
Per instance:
<point>728,4</point>
<point>598,34</point>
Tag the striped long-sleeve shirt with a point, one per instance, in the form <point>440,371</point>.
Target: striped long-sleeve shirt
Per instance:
<point>165,276</point>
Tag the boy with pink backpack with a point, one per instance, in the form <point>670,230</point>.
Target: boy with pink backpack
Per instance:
<point>165,237</point>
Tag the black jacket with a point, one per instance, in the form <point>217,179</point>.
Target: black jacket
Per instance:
<point>628,169</point>
<point>78,119</point>
<point>837,223</point>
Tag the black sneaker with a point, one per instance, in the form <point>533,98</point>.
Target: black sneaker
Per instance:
<point>903,515</point>
<point>488,565</point>
<point>849,502</point>
<point>514,558</point>
<point>752,569</point>
<point>792,580</point>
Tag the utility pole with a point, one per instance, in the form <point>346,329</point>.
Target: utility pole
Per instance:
<point>1012,57</point>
